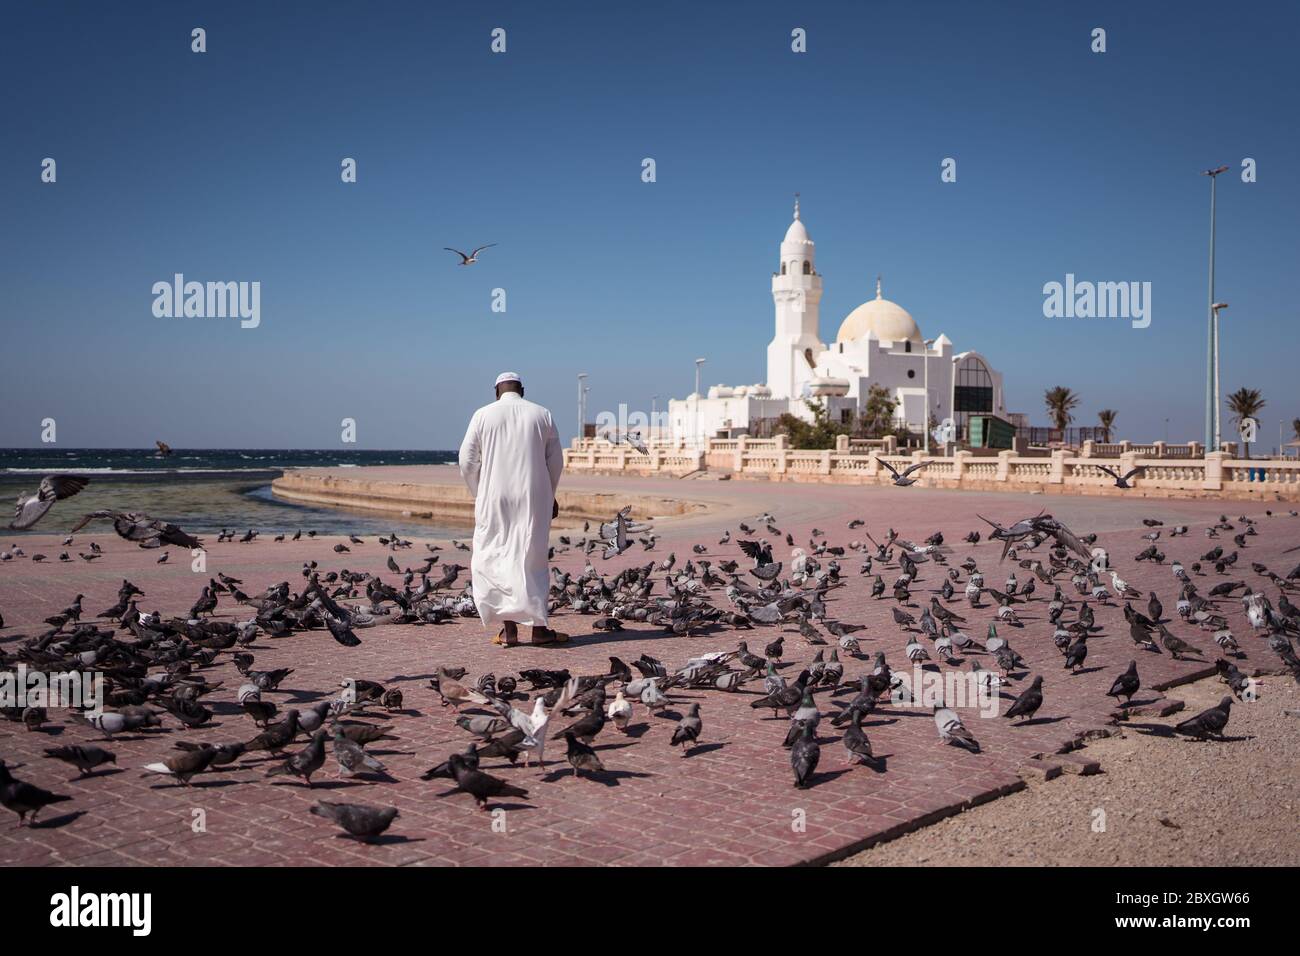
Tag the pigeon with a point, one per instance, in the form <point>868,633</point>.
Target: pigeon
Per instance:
<point>31,508</point>
<point>305,762</point>
<point>804,756</point>
<point>352,757</point>
<point>454,693</point>
<point>1208,722</point>
<point>185,764</point>
<point>139,527</point>
<point>85,757</point>
<point>24,798</point>
<point>1126,684</point>
<point>952,730</point>
<point>1121,481</point>
<point>620,712</point>
<point>581,757</point>
<point>1027,704</point>
<point>357,819</point>
<point>856,742</point>
<point>688,729</point>
<point>902,480</point>
<point>481,786</point>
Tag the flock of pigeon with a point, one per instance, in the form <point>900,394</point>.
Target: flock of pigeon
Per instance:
<point>161,672</point>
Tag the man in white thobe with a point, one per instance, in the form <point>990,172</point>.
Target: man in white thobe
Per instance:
<point>511,461</point>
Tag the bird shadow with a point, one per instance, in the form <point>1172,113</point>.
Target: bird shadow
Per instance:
<point>636,731</point>
<point>54,823</point>
<point>826,776</point>
<point>606,778</point>
<point>1152,730</point>
<point>1087,670</point>
<point>702,749</point>
<point>611,746</point>
<point>384,840</point>
<point>1035,721</point>
<point>330,784</point>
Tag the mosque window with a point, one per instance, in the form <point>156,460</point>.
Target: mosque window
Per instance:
<point>807,268</point>
<point>911,373</point>
<point>907,347</point>
<point>783,268</point>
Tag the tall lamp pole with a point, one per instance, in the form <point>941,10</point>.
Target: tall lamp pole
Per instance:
<point>1212,359</point>
<point>699,363</point>
<point>925,376</point>
<point>582,411</point>
<point>1218,435</point>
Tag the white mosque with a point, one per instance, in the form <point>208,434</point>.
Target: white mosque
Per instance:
<point>878,343</point>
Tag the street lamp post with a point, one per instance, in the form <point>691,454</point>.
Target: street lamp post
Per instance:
<point>582,411</point>
<point>925,376</point>
<point>1212,358</point>
<point>654,416</point>
<point>1218,435</point>
<point>699,363</point>
<point>952,401</point>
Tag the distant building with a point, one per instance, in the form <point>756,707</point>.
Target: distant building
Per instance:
<point>878,343</point>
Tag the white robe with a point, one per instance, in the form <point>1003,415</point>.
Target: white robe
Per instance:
<point>511,461</point>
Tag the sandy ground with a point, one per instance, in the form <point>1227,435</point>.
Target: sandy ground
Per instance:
<point>1234,803</point>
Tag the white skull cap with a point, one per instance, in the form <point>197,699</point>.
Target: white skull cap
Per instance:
<point>507,377</point>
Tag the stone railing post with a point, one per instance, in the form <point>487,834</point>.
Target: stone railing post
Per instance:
<point>780,442</point>
<point>622,459</point>
<point>959,460</point>
<point>842,444</point>
<point>1195,450</point>
<point>1004,464</point>
<point>824,466</point>
<point>1214,471</point>
<point>656,459</point>
<point>741,444</point>
<point>873,463</point>
<point>1087,450</point>
<point>1057,475</point>
<point>1124,446</point>
<point>1127,462</point>
<point>891,445</point>
<point>782,456</point>
<point>1157,450</point>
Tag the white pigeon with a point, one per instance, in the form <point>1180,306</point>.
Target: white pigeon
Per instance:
<point>952,730</point>
<point>534,725</point>
<point>619,711</point>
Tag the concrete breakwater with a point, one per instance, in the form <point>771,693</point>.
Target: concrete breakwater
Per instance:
<point>437,493</point>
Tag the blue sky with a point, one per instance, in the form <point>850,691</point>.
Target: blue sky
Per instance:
<point>225,166</point>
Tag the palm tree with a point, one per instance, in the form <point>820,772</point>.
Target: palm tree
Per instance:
<point>1107,418</point>
<point>1245,403</point>
<point>1060,403</point>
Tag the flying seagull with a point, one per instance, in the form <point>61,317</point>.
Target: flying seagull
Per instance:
<point>901,480</point>
<point>32,508</point>
<point>469,260</point>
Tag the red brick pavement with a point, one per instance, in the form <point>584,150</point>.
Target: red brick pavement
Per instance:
<point>730,802</point>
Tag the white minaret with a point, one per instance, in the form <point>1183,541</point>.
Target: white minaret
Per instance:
<point>797,294</point>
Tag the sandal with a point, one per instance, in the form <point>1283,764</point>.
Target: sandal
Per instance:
<point>502,641</point>
<point>552,637</point>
